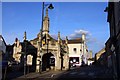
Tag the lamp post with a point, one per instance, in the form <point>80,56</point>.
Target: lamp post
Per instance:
<point>25,52</point>
<point>50,6</point>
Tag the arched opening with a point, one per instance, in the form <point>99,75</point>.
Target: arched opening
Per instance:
<point>48,61</point>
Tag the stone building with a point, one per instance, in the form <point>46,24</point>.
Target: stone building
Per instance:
<point>54,53</point>
<point>21,50</point>
<point>78,51</point>
<point>3,61</point>
<point>51,54</point>
<point>113,43</point>
<point>100,58</point>
<point>2,45</point>
<point>90,54</point>
<point>90,58</point>
<point>98,54</point>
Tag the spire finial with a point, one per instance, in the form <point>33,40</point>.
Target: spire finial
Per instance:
<point>25,37</point>
<point>59,34</point>
<point>66,40</point>
<point>46,12</point>
<point>58,37</point>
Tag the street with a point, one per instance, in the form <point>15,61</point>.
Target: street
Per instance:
<point>77,73</point>
<point>87,73</point>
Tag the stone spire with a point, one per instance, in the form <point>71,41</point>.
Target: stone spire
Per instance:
<point>66,40</point>
<point>46,12</point>
<point>58,37</point>
<point>83,36</point>
<point>46,23</point>
<point>25,37</point>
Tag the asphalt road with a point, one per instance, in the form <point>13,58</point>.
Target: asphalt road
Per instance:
<point>76,73</point>
<point>80,73</point>
<point>87,73</point>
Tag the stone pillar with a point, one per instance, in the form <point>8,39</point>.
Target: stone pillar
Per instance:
<point>39,54</point>
<point>58,57</point>
<point>38,58</point>
<point>66,62</point>
<point>66,56</point>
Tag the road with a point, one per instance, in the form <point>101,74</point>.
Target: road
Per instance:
<point>87,73</point>
<point>76,73</point>
<point>80,73</point>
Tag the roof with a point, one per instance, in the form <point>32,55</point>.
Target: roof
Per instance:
<point>75,41</point>
<point>91,59</point>
<point>29,46</point>
<point>3,40</point>
<point>101,51</point>
<point>37,38</point>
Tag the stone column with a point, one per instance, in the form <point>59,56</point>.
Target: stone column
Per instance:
<point>66,61</point>
<point>58,57</point>
<point>39,54</point>
<point>58,60</point>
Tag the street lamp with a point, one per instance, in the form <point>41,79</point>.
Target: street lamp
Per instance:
<point>50,6</point>
<point>25,52</point>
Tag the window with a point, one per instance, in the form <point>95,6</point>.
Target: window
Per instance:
<point>74,49</point>
<point>80,50</point>
<point>86,50</point>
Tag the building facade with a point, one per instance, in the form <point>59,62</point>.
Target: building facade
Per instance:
<point>78,51</point>
<point>90,58</point>
<point>2,45</point>
<point>113,43</point>
<point>53,54</point>
<point>100,58</point>
<point>3,61</point>
<point>98,54</point>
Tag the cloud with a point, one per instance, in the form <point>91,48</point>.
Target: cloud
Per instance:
<point>92,43</point>
<point>78,33</point>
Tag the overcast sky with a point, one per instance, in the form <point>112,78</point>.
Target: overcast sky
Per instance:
<point>71,19</point>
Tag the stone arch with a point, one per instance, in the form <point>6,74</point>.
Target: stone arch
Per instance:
<point>48,61</point>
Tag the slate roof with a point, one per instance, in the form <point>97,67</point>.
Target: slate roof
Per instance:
<point>75,41</point>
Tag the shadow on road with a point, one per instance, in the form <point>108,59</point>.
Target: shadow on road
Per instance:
<point>86,73</point>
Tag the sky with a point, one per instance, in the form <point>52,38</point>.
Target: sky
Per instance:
<point>70,18</point>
